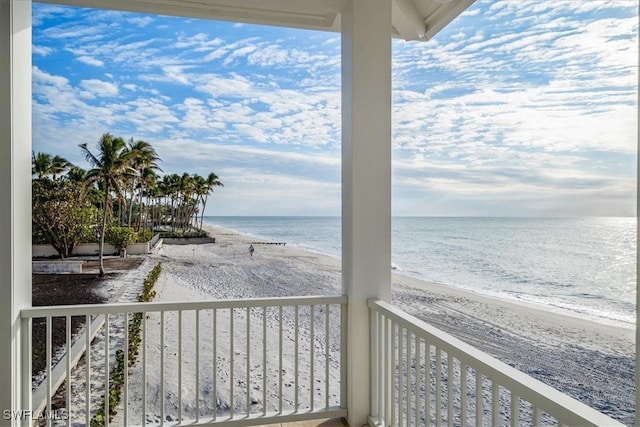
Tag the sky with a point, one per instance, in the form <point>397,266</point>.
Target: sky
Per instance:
<point>517,108</point>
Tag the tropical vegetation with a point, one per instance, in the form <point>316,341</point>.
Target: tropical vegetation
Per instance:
<point>121,199</point>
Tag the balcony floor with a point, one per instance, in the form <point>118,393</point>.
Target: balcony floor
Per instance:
<point>334,422</point>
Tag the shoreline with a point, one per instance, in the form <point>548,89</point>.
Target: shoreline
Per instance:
<point>542,313</point>
<point>431,286</point>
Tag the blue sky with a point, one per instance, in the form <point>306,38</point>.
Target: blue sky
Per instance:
<point>517,108</point>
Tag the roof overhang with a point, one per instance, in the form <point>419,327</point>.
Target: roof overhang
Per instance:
<point>412,19</point>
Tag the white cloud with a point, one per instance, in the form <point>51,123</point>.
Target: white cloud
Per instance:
<point>43,77</point>
<point>197,115</point>
<point>175,73</point>
<point>141,22</point>
<point>239,53</point>
<point>515,102</point>
<point>74,32</point>
<point>42,50</point>
<point>99,88</point>
<point>90,61</point>
<point>198,42</point>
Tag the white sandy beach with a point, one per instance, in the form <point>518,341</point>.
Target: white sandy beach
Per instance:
<point>589,361</point>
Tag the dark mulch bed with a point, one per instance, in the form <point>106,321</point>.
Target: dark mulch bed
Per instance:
<point>69,289</point>
<point>60,289</point>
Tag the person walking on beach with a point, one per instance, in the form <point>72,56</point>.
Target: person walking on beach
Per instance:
<point>251,250</point>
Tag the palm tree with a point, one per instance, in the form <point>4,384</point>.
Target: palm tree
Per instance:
<point>143,156</point>
<point>148,188</point>
<point>185,191</point>
<point>43,164</point>
<point>211,182</point>
<point>110,166</point>
<point>171,185</point>
<point>76,175</point>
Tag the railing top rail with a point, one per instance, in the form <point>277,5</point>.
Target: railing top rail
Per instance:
<point>144,307</point>
<point>565,408</point>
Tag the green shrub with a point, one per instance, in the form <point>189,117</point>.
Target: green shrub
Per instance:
<point>120,237</point>
<point>144,235</point>
<point>89,234</point>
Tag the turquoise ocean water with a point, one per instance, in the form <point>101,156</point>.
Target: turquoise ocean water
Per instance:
<point>584,266</point>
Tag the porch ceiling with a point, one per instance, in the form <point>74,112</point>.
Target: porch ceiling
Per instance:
<point>412,19</point>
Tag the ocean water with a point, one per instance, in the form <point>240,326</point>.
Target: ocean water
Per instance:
<point>583,266</point>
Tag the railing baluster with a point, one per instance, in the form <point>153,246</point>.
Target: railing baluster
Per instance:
<point>295,363</point>
<point>179,366</point>
<point>264,361</point>
<point>401,358</point>
<point>126,371</point>
<point>536,416</point>
<point>48,350</point>
<point>214,356</point>
<point>145,350</point>
<point>373,368</point>
<point>107,410</point>
<point>343,356</point>
<point>463,394</point>
<point>495,403</point>
<point>389,343</point>
<point>280,360</point>
<point>408,376</point>
<point>418,364</point>
<point>311,356</point>
<point>68,348</point>
<point>197,343</point>
<point>427,381</point>
<point>248,380</point>
<point>478,399</point>
<point>450,389</point>
<point>391,375</point>
<point>87,360</point>
<point>515,409</point>
<point>438,386</point>
<point>382,382</point>
<point>231,379</point>
<point>162,368</point>
<point>326,356</point>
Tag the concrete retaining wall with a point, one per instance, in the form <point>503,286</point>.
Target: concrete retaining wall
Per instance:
<point>45,251</point>
<point>57,266</point>
<point>138,248</point>
<point>81,249</point>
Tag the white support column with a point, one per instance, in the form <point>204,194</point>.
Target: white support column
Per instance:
<point>15,193</point>
<point>366,183</point>
<point>638,261</point>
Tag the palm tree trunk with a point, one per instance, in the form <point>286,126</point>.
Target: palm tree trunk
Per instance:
<point>133,191</point>
<point>204,205</point>
<point>103,231</point>
<point>140,206</point>
<point>173,216</point>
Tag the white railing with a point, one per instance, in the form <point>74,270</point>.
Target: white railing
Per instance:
<point>231,362</point>
<point>423,376</point>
